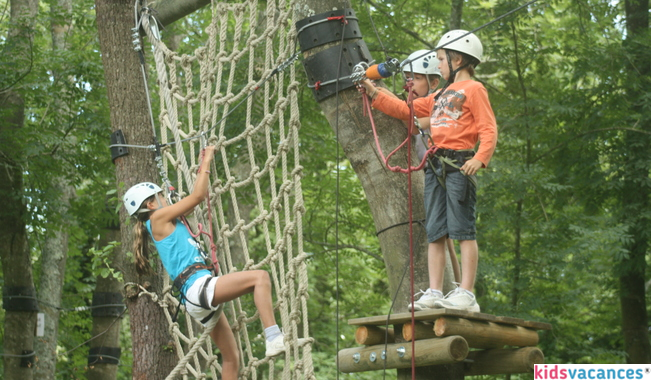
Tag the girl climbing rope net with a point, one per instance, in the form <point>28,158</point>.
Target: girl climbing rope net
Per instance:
<point>201,292</point>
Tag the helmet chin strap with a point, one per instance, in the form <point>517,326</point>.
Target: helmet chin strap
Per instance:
<point>144,210</point>
<point>452,75</point>
<point>160,204</point>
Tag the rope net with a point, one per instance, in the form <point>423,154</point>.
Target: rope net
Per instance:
<point>231,93</point>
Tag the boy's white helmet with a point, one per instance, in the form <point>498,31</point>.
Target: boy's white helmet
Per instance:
<point>137,194</point>
<point>469,44</point>
<point>421,62</point>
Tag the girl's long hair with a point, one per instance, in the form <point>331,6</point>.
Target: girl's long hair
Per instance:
<point>141,242</point>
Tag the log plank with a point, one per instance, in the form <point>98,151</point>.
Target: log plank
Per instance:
<point>372,335</point>
<point>432,314</point>
<point>483,334</point>
<point>420,331</point>
<point>447,350</point>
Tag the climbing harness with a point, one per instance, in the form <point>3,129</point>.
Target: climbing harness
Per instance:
<point>180,281</point>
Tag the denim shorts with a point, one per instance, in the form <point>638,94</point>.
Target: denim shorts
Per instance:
<point>451,210</point>
<point>192,301</point>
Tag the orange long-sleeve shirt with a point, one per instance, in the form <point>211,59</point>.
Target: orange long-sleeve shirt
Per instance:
<point>462,117</point>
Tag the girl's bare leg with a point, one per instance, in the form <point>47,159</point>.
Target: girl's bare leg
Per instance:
<point>234,285</point>
<point>224,339</point>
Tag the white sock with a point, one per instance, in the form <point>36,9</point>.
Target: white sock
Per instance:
<point>434,291</point>
<point>272,332</point>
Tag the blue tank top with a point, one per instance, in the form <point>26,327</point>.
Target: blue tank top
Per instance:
<point>178,251</point>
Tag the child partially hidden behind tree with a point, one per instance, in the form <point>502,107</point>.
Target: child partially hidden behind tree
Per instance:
<point>458,117</point>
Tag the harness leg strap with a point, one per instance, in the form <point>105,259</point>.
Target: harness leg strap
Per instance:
<point>203,295</point>
<point>205,303</point>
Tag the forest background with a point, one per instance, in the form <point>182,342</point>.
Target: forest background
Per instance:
<point>563,214</point>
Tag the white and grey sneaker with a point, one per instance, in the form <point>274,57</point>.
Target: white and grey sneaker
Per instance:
<point>427,300</point>
<point>458,299</point>
<point>277,345</point>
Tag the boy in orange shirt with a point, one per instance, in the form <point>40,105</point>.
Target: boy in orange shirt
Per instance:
<point>460,116</point>
<point>421,67</point>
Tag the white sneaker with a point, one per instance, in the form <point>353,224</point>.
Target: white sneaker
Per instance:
<point>427,300</point>
<point>277,345</point>
<point>459,299</point>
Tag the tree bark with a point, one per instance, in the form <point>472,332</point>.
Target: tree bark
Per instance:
<point>456,11</point>
<point>19,326</point>
<point>53,265</point>
<point>386,191</point>
<point>55,248</point>
<point>168,11</point>
<point>106,327</point>
<point>128,108</point>
<point>636,193</point>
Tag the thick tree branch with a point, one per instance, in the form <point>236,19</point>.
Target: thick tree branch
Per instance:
<point>168,11</point>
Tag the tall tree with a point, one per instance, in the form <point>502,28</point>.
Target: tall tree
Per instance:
<point>55,247</point>
<point>19,324</point>
<point>456,13</point>
<point>128,105</point>
<point>106,321</point>
<point>636,188</point>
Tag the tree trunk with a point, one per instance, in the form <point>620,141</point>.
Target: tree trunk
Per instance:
<point>55,247</point>
<point>16,261</point>
<point>456,11</point>
<point>20,320</point>
<point>636,193</point>
<point>106,322</point>
<point>128,105</point>
<point>386,191</point>
<point>53,264</point>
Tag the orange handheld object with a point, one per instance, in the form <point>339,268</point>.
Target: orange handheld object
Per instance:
<point>379,71</point>
<point>373,73</point>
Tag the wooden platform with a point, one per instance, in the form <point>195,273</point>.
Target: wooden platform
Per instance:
<point>500,345</point>
<point>433,314</point>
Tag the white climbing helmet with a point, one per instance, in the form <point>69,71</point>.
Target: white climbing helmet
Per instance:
<point>137,194</point>
<point>468,44</point>
<point>421,62</point>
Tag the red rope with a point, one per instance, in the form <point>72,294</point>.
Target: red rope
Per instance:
<point>408,171</point>
<point>213,246</point>
<point>396,169</point>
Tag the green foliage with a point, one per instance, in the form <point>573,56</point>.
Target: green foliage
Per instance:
<point>102,262</point>
<point>555,231</point>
